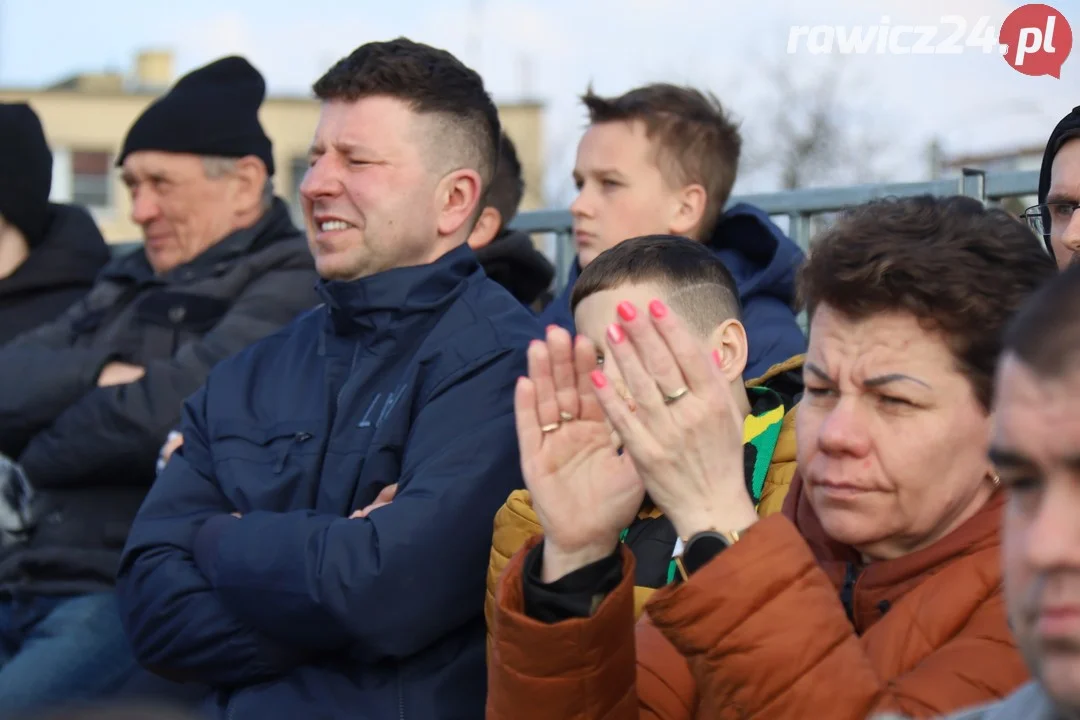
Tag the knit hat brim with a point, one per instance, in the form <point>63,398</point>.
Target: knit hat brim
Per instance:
<point>213,110</point>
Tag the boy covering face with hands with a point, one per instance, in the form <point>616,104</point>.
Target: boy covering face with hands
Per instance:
<point>573,441</point>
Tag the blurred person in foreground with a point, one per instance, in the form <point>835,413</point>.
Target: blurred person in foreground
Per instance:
<point>252,566</point>
<point>1055,218</point>
<point>1036,449</point>
<point>50,253</point>
<point>662,159</point>
<point>878,588</point>
<point>695,283</point>
<point>508,256</point>
<point>86,401</point>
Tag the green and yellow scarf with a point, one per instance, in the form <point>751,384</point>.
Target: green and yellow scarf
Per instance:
<point>652,537</point>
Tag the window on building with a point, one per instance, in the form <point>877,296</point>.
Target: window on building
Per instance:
<point>91,179</point>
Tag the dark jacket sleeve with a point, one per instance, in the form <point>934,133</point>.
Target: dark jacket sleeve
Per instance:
<point>117,431</point>
<point>575,595</point>
<point>773,334</point>
<point>60,333</point>
<point>395,582</point>
<point>41,375</point>
<point>558,312</point>
<point>174,620</point>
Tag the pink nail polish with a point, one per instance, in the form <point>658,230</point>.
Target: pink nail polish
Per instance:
<point>598,378</point>
<point>627,311</point>
<point>658,309</point>
<point>615,333</point>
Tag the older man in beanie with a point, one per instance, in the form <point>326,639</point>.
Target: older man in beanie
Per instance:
<point>87,401</point>
<point>50,254</point>
<point>1055,218</point>
<point>257,564</point>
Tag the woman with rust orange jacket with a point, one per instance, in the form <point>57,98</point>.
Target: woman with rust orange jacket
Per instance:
<point>878,587</point>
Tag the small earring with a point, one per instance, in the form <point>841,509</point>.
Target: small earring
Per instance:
<point>996,479</point>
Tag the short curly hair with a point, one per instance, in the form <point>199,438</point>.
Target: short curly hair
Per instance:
<point>960,268</point>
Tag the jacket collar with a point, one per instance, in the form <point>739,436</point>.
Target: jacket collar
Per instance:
<point>981,531</point>
<point>1030,702</point>
<point>275,224</point>
<point>383,302</point>
<point>71,254</point>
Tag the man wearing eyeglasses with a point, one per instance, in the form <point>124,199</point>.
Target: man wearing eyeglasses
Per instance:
<point>1055,218</point>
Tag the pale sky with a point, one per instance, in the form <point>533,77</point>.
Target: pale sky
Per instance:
<point>552,49</point>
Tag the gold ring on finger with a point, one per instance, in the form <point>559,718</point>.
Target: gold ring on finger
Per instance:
<point>550,428</point>
<point>668,399</point>
<point>565,416</point>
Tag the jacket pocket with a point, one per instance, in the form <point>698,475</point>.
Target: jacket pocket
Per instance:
<point>272,445</point>
<point>181,311</point>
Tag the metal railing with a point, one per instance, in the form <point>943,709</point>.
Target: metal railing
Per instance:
<point>800,207</point>
<point>794,208</point>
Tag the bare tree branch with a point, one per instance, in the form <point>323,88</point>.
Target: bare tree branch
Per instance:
<point>811,131</point>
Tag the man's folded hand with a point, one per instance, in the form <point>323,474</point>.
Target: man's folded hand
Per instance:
<point>385,497</point>
<point>119,373</point>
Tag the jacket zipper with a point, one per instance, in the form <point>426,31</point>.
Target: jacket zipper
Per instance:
<point>298,438</point>
<point>401,696</point>
<point>847,593</point>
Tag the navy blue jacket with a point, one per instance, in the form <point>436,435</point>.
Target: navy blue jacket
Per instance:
<point>764,262</point>
<point>294,610</point>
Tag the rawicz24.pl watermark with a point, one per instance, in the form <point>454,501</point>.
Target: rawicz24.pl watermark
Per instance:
<point>1034,39</point>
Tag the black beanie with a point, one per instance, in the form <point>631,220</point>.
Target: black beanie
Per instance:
<point>213,110</point>
<point>1067,129</point>
<point>25,171</point>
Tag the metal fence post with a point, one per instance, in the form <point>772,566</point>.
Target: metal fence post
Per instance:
<point>973,184</point>
<point>799,230</point>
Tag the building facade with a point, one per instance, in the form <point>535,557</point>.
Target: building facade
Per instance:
<point>87,116</point>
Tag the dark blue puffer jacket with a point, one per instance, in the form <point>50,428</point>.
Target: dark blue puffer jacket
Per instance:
<point>764,262</point>
<point>294,610</point>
